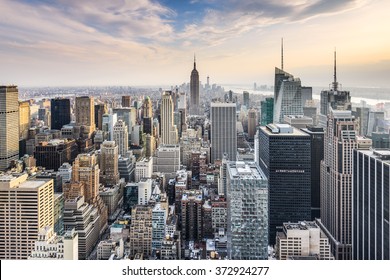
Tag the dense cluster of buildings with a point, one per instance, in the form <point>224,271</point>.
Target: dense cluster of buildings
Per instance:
<point>195,174</point>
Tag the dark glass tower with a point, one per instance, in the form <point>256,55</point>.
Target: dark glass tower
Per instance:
<point>60,113</point>
<point>194,91</point>
<point>285,154</point>
<point>370,205</point>
<point>317,154</point>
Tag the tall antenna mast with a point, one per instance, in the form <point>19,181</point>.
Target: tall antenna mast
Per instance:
<point>335,83</point>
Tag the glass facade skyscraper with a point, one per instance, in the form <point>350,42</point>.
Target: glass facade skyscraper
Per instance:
<point>247,206</point>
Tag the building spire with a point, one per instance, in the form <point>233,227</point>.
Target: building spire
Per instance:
<point>335,83</point>
<point>194,61</point>
<point>282,53</point>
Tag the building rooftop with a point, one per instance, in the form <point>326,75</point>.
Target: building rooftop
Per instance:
<point>282,130</point>
<point>245,170</point>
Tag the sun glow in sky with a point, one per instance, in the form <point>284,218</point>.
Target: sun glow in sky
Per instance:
<point>150,42</point>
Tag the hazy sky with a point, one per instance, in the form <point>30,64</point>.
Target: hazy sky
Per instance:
<point>150,42</point>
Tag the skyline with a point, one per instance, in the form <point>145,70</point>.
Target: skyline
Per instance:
<point>147,42</point>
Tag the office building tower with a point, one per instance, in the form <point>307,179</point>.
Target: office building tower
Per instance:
<point>100,110</point>
<point>147,116</point>
<point>85,115</point>
<point>302,241</point>
<point>362,117</point>
<point>168,129</point>
<point>121,137</point>
<point>60,112</point>
<point>298,121</point>
<point>150,145</point>
<point>194,91</point>
<point>191,215</point>
<point>109,173</point>
<point>245,97</point>
<point>370,204</point>
<point>9,125</point>
<point>85,219</point>
<point>267,111</point>
<point>26,206</point>
<point>376,122</point>
<point>223,131</point>
<point>145,186</point>
<point>109,120</point>
<point>54,153</point>
<point>336,182</point>
<point>159,217</point>
<point>126,167</point>
<point>285,157</point>
<point>247,211</point>
<point>141,231</point>
<point>317,155</point>
<point>307,95</point>
<point>380,140</point>
<point>86,170</point>
<point>65,171</point>
<point>50,246</point>
<point>167,160</point>
<point>24,119</point>
<point>126,101</point>
<point>287,97</point>
<point>334,98</point>
<point>111,196</point>
<point>252,123</point>
<point>143,169</point>
<point>58,212</point>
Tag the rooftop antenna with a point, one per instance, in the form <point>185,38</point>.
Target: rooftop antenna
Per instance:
<point>282,53</point>
<point>335,83</point>
<point>194,61</point>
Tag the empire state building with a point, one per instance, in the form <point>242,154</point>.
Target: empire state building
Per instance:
<point>194,91</point>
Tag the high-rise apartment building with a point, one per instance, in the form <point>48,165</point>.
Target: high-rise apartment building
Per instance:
<point>336,182</point>
<point>109,173</point>
<point>191,215</point>
<point>287,97</point>
<point>370,205</point>
<point>9,125</point>
<point>168,129</point>
<point>143,169</point>
<point>141,230</point>
<point>247,211</point>
<point>85,114</point>
<point>223,131</point>
<point>121,137</point>
<point>60,112</point>
<point>285,158</point>
<point>25,207</point>
<point>194,91</point>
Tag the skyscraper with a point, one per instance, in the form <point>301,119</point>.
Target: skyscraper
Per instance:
<point>86,170</point>
<point>121,137</point>
<point>60,112</point>
<point>285,159</point>
<point>252,123</point>
<point>9,125</point>
<point>223,131</point>
<point>336,182</point>
<point>194,91</point>
<point>370,205</point>
<point>317,155</point>
<point>26,206</point>
<point>100,110</point>
<point>126,101</point>
<point>288,96</point>
<point>24,119</point>
<point>168,129</point>
<point>333,98</point>
<point>267,111</point>
<point>109,163</point>
<point>245,97</point>
<point>147,116</point>
<point>247,211</point>
<point>85,115</point>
